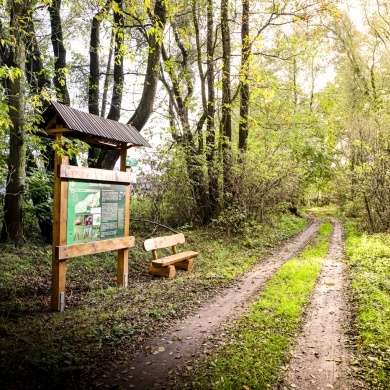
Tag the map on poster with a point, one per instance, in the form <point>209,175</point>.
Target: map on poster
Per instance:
<point>96,211</point>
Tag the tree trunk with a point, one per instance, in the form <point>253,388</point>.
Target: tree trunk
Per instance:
<point>13,210</point>
<point>94,66</point>
<point>59,53</point>
<point>94,76</point>
<point>108,159</point>
<point>210,128</point>
<point>244,91</point>
<point>146,104</point>
<point>36,75</point>
<point>38,80</point>
<point>107,77</point>
<point>226,118</point>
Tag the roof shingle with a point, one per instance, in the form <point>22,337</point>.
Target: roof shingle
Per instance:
<point>93,125</point>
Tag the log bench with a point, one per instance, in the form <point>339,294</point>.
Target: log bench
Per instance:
<point>166,266</point>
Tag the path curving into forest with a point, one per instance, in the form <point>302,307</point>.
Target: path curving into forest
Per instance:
<point>182,342</point>
<point>321,359</point>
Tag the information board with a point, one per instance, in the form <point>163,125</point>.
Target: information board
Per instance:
<point>96,211</point>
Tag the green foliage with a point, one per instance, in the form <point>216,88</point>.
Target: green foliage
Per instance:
<point>369,258</point>
<point>39,186</point>
<point>163,194</point>
<point>70,147</point>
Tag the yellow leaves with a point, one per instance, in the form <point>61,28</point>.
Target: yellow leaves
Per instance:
<point>147,4</point>
<point>116,8</point>
<point>11,73</point>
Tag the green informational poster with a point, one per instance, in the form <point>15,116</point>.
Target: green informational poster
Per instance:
<point>96,211</point>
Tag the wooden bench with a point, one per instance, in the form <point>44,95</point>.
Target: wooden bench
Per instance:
<point>166,266</point>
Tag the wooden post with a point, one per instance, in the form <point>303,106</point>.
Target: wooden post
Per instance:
<point>123,254</point>
<point>59,233</point>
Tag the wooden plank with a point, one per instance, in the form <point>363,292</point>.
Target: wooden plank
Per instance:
<point>60,199</point>
<point>87,248</point>
<point>168,272</point>
<point>123,268</point>
<point>57,130</point>
<point>73,172</point>
<point>172,259</point>
<point>164,242</point>
<point>123,254</point>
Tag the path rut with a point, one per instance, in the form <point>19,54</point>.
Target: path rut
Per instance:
<point>321,357</point>
<point>186,339</point>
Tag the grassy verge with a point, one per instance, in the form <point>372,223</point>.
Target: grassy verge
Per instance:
<point>369,258</point>
<point>103,324</point>
<point>257,346</point>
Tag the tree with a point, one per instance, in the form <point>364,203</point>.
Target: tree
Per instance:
<point>57,39</point>
<point>244,91</point>
<point>13,205</point>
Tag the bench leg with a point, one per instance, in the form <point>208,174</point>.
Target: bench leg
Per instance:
<point>187,265</point>
<point>168,271</point>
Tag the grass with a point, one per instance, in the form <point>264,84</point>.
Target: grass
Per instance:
<point>103,324</point>
<point>322,211</point>
<point>257,346</point>
<point>369,259</point>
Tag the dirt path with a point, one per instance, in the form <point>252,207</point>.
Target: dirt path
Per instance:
<point>180,344</point>
<point>320,358</point>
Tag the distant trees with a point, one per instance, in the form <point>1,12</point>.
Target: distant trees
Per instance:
<point>362,110</point>
<point>235,121</point>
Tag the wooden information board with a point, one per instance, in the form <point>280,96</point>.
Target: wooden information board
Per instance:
<point>91,215</point>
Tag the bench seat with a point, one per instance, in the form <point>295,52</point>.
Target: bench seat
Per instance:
<point>172,259</point>
<point>166,266</point>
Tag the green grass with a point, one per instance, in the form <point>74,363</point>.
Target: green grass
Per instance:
<point>103,324</point>
<point>258,346</point>
<point>369,259</point>
<point>323,211</point>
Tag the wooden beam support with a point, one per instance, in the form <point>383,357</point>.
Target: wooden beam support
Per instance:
<point>87,248</point>
<point>123,254</point>
<point>187,265</point>
<point>168,272</point>
<point>73,172</point>
<point>60,204</point>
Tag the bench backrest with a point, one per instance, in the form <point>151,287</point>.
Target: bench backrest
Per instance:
<point>164,242</point>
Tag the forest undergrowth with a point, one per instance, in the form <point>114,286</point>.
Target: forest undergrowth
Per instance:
<point>369,261</point>
<point>102,324</point>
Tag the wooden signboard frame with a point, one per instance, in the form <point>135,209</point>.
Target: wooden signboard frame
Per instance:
<point>63,172</point>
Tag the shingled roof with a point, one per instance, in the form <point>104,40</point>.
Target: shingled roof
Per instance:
<point>92,129</point>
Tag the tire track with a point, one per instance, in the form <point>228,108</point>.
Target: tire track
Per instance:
<point>320,359</point>
<point>182,342</point>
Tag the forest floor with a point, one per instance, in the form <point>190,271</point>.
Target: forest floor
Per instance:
<point>275,306</point>
<point>320,359</point>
